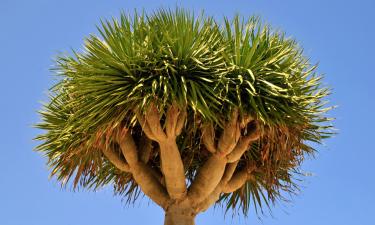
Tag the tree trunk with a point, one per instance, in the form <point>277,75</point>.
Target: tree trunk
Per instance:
<point>179,216</point>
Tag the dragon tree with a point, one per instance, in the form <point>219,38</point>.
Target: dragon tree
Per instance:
<point>187,110</point>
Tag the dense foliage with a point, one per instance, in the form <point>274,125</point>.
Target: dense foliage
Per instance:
<point>208,67</point>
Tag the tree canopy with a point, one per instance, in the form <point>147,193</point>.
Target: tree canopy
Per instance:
<point>211,73</point>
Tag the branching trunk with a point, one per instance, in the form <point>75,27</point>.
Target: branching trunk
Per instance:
<point>149,184</point>
<point>142,174</point>
<point>167,187</point>
<point>211,173</point>
<point>207,178</point>
<point>211,179</point>
<point>215,194</point>
<point>171,163</point>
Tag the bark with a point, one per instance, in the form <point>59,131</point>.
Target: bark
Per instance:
<point>149,184</point>
<point>237,181</point>
<point>179,215</point>
<point>178,219</point>
<point>211,173</point>
<point>171,163</point>
<point>243,145</point>
<point>207,178</point>
<point>181,122</point>
<point>142,173</point>
<point>167,187</point>
<point>215,194</point>
<point>210,200</point>
<point>230,135</point>
<point>173,169</point>
<point>113,157</point>
<point>208,137</point>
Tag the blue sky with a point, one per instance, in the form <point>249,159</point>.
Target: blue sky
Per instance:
<point>337,34</point>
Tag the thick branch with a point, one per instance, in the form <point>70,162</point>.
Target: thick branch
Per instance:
<point>228,184</point>
<point>181,121</point>
<point>236,182</point>
<point>207,179</point>
<point>171,121</point>
<point>229,171</point>
<point>171,163</point>
<point>215,194</point>
<point>239,178</point>
<point>212,171</point>
<point>114,158</point>
<point>243,145</point>
<point>210,200</point>
<point>209,183</point>
<point>230,135</point>
<point>140,171</point>
<point>145,127</point>
<point>149,184</point>
<point>127,146</point>
<point>173,169</point>
<point>153,119</point>
<point>208,137</point>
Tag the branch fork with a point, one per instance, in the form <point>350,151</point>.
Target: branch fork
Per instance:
<point>217,174</point>
<point>171,163</point>
<point>169,188</point>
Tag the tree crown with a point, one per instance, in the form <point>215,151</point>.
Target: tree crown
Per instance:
<point>208,71</point>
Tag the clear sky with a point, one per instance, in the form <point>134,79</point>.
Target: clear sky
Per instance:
<point>337,34</point>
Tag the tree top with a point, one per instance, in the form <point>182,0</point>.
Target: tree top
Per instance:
<point>206,68</point>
